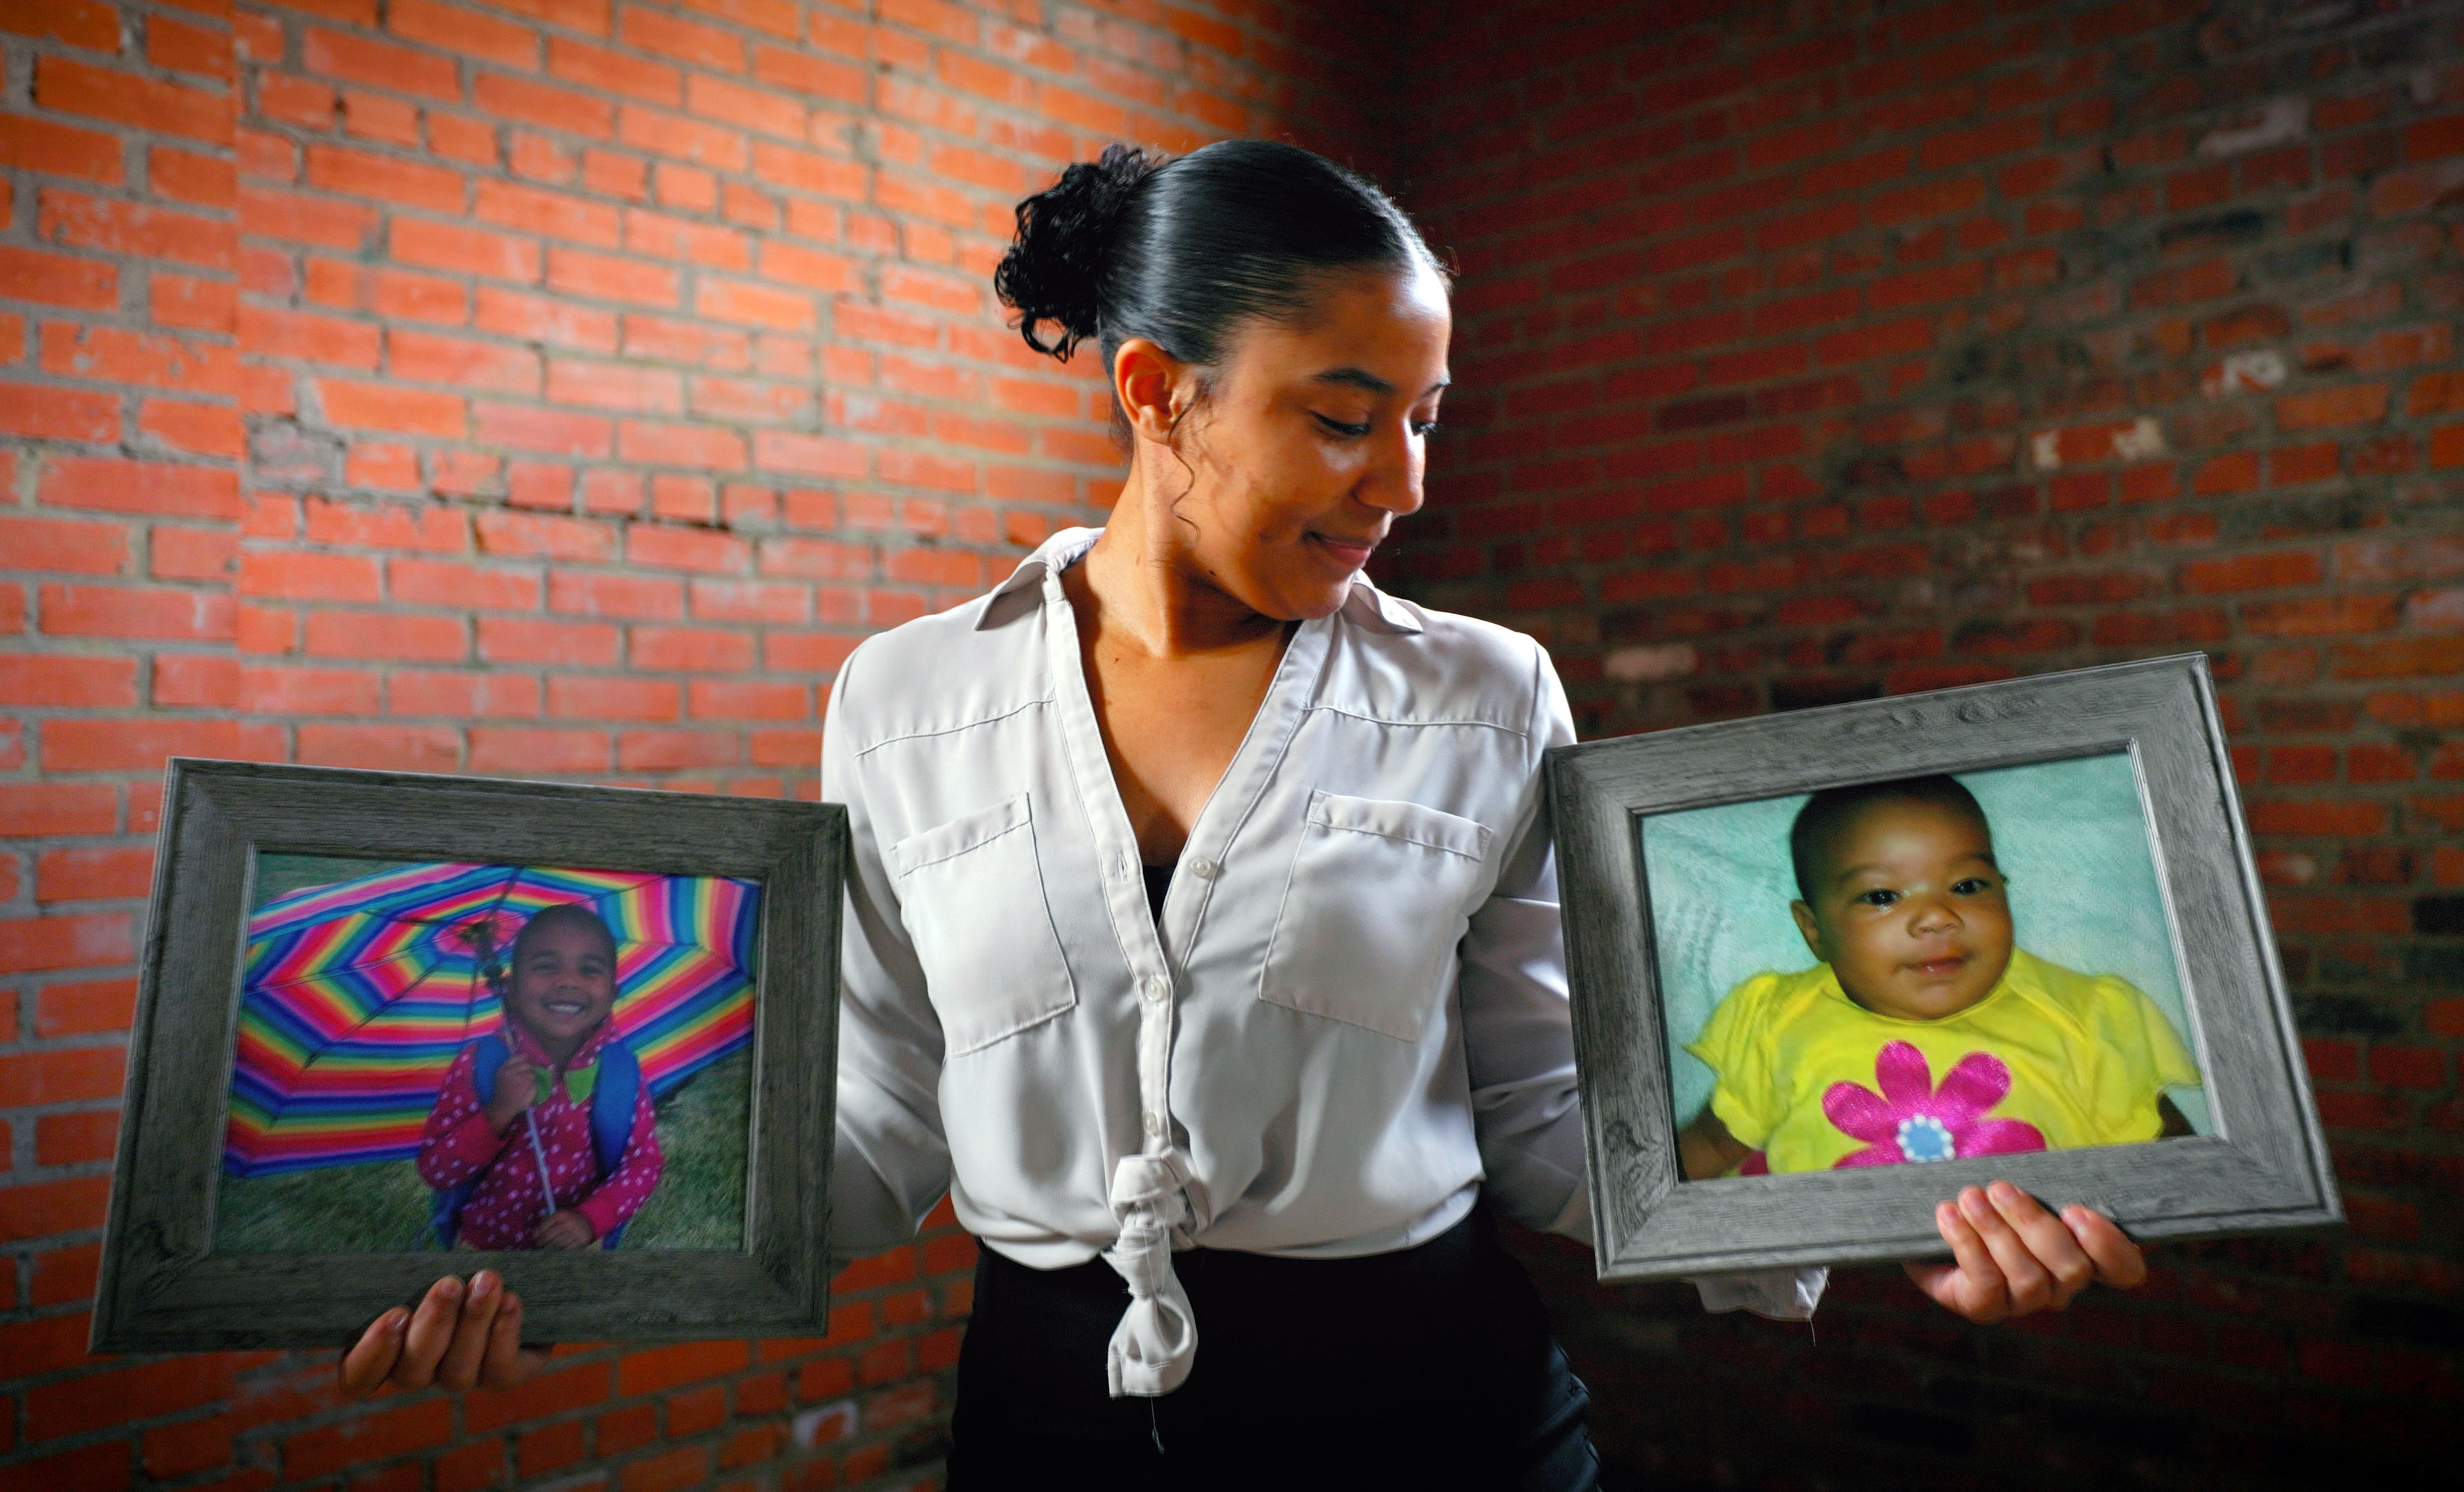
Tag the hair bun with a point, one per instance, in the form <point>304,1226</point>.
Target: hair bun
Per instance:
<point>1053,270</point>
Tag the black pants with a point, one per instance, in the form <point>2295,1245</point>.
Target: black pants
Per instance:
<point>1431,1366</point>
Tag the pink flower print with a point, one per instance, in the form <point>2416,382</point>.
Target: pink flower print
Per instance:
<point>1913,1120</point>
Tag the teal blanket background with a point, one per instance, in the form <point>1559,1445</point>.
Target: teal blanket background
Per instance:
<point>2070,837</point>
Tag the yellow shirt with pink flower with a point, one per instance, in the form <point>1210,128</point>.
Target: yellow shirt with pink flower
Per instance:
<point>2050,1058</point>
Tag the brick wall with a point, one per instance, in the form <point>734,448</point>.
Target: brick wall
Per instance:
<point>530,388</point>
<point>1809,352</point>
<point>560,387</point>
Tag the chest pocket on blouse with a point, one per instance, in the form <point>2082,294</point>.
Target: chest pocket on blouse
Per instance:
<point>1373,911</point>
<point>972,894</point>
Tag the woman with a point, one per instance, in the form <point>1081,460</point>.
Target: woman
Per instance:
<point>1203,938</point>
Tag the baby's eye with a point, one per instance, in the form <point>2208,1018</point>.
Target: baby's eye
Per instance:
<point>1878,897</point>
<point>1974,885</point>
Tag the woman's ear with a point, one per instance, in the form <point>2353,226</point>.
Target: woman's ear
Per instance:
<point>1152,386</point>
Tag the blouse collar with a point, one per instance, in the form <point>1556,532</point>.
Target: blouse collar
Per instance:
<point>1365,606</point>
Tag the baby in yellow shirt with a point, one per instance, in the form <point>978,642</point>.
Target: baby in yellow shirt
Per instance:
<point>1924,1034</point>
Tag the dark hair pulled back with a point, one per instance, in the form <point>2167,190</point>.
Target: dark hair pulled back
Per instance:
<point>1181,251</point>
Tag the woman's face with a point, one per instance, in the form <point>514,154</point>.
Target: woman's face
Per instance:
<point>1310,443</point>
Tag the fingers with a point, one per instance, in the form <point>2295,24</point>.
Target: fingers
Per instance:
<point>503,1357</point>
<point>1975,1287</point>
<point>2032,1286</point>
<point>429,1334</point>
<point>459,1368</point>
<point>363,1367</point>
<point>2118,1262</point>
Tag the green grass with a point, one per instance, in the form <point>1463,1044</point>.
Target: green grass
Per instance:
<point>383,1207</point>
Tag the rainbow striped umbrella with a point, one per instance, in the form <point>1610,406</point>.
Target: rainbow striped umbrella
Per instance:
<point>356,996</point>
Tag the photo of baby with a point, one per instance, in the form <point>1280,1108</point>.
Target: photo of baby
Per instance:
<point>483,1057</point>
<point>1917,970</point>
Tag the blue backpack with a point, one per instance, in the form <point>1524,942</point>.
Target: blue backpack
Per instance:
<point>611,1125</point>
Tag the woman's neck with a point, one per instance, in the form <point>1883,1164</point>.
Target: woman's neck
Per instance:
<point>1150,589</point>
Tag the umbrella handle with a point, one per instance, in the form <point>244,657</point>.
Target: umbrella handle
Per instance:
<point>538,1153</point>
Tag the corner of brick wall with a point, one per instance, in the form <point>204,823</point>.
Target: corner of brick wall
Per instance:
<point>1814,354</point>
<point>528,387</point>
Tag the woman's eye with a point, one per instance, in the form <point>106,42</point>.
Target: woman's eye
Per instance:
<point>1878,898</point>
<point>1339,428</point>
<point>1424,427</point>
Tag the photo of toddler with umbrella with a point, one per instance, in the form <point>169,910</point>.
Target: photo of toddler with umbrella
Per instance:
<point>433,1056</point>
<point>556,1075</point>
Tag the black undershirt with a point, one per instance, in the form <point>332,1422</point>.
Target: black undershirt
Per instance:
<point>1158,882</point>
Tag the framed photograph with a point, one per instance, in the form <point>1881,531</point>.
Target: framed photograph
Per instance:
<point>392,1026</point>
<point>1830,966</point>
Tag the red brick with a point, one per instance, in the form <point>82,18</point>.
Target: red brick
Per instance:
<point>69,681</point>
<point>691,650</point>
<point>498,749</point>
<point>95,1468</point>
<point>56,150</point>
<point>504,640</point>
<point>390,748</point>
<point>29,810</point>
<point>382,634</point>
<point>458,27</point>
<point>112,225</point>
<point>58,278</point>
<point>129,99</point>
<point>591,698</point>
<point>460,695</point>
<point>381,64</point>
<point>2352,403</point>
<point>48,414</point>
<point>624,596</point>
<point>368,1437</point>
<point>354,405</point>
<point>2251,573</point>
<point>93,875</point>
<point>188,1447</point>
<point>135,612</point>
<point>70,1074</point>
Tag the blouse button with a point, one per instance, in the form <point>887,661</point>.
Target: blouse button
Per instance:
<point>1155,988</point>
<point>1155,1124</point>
<point>1203,869</point>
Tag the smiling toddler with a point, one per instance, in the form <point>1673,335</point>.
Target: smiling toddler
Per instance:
<point>1925,1032</point>
<point>542,1136</point>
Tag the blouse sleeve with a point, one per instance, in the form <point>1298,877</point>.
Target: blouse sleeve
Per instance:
<point>891,1164</point>
<point>1518,1040</point>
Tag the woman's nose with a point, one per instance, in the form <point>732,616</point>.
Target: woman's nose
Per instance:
<point>1393,481</point>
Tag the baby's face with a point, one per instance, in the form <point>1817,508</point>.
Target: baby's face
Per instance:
<point>563,985</point>
<point>1909,910</point>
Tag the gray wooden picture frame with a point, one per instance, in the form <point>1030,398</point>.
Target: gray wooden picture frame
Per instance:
<point>2265,1167</point>
<point>163,1287</point>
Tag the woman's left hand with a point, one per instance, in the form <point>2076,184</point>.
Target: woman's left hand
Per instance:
<point>2012,1258</point>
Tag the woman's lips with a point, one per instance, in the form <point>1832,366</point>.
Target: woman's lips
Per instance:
<point>1351,552</point>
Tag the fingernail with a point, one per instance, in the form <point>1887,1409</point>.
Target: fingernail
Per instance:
<point>1973,1202</point>
<point>2004,1191</point>
<point>397,1322</point>
<point>482,1283</point>
<point>452,1288</point>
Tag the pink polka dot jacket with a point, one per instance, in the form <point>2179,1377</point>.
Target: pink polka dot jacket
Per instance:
<point>506,1207</point>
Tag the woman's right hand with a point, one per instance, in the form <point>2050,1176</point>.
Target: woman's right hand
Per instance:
<point>456,1339</point>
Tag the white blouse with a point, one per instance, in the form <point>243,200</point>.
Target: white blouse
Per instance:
<point>1348,1021</point>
